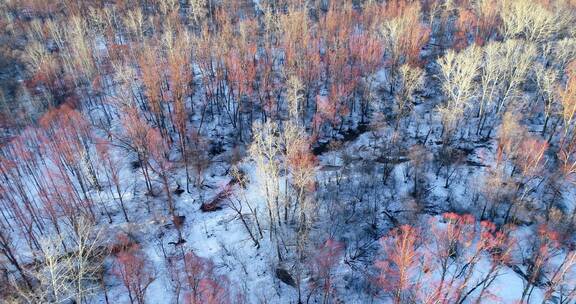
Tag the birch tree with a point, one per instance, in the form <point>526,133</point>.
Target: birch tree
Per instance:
<point>458,72</point>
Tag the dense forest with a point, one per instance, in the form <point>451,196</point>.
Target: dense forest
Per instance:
<point>288,151</point>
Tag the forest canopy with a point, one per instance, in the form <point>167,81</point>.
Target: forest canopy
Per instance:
<point>289,151</point>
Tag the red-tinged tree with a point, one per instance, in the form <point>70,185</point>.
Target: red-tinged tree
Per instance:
<point>325,118</point>
<point>196,269</point>
<point>525,152</point>
<point>333,108</point>
<point>63,199</point>
<point>204,285</point>
<point>266,85</point>
<point>544,245</point>
<point>340,69</point>
<point>160,164</point>
<point>295,26</point>
<point>466,21</point>
<point>207,56</point>
<point>250,67</point>
<point>326,109</point>
<point>530,158</point>
<point>112,166</point>
<point>54,178</point>
<point>455,253</point>
<point>136,272</point>
<point>135,138</point>
<point>489,21</point>
<point>337,24</point>
<point>69,135</point>
<point>509,138</point>
<point>405,32</point>
<point>413,41</point>
<point>16,192</point>
<point>393,9</point>
<point>500,246</point>
<point>301,47</point>
<point>317,121</point>
<point>19,212</point>
<point>179,69</point>
<point>442,267</point>
<point>561,282</point>
<point>399,271</point>
<point>180,121</point>
<point>302,167</point>
<point>27,181</point>
<point>151,75</point>
<point>479,22</point>
<point>49,200</point>
<point>213,291</point>
<point>324,262</point>
<point>335,30</point>
<point>367,52</point>
<point>241,74</point>
<point>446,244</point>
<point>300,163</point>
<point>340,93</point>
<point>66,189</point>
<point>180,78</point>
<point>311,66</point>
<point>370,18</point>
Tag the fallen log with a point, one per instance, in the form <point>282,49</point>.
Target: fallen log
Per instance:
<point>216,202</point>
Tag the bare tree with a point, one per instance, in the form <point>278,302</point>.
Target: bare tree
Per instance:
<point>69,272</point>
<point>458,72</point>
<point>533,21</point>
<point>265,150</point>
<point>409,80</point>
<point>546,80</point>
<point>135,270</point>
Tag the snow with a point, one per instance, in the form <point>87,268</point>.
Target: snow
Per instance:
<point>355,203</point>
